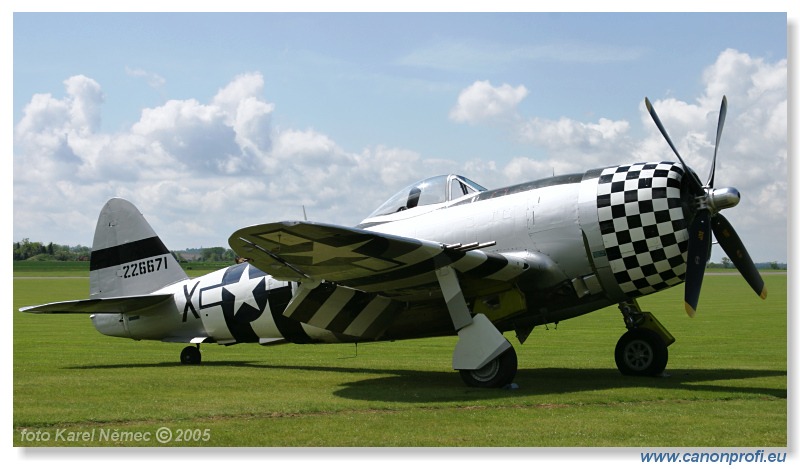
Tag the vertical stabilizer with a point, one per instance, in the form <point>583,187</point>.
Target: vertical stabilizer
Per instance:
<point>128,258</point>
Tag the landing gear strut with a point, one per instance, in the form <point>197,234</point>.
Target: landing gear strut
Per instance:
<point>642,351</point>
<point>191,355</point>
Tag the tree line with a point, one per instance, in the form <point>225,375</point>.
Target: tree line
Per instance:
<point>727,263</point>
<point>27,250</point>
<point>37,251</point>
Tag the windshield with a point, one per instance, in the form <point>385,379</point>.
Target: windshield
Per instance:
<point>434,190</point>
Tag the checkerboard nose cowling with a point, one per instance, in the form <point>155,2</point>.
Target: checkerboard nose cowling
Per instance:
<point>644,226</point>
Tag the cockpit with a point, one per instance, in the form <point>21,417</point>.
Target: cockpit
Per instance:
<point>429,193</point>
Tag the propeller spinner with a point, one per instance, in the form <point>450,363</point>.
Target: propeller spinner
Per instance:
<point>709,202</point>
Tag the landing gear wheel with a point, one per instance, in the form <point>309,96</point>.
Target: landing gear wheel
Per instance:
<point>495,374</point>
<point>190,355</point>
<point>641,352</point>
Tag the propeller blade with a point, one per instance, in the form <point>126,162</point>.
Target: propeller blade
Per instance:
<point>698,186</point>
<point>723,110</point>
<point>734,248</point>
<point>696,259</point>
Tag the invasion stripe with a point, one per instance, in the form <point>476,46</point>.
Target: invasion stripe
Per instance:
<point>128,252</point>
<point>420,254</point>
<point>494,263</point>
<point>426,281</point>
<point>473,260</point>
<point>306,303</point>
<point>388,249</point>
<point>364,316</point>
<point>384,319</point>
<point>426,266</point>
<point>290,329</point>
<point>334,305</point>
<point>343,311</point>
<point>354,309</point>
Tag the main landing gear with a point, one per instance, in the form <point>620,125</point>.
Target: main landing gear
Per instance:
<point>483,357</point>
<point>191,355</point>
<point>642,351</point>
<point>497,373</point>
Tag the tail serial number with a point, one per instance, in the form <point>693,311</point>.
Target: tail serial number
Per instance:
<point>149,266</point>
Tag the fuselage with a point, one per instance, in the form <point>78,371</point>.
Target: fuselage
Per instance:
<point>593,239</point>
<point>239,304</point>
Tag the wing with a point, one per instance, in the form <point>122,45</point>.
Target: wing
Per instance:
<point>367,261</point>
<point>355,282</point>
<point>122,304</point>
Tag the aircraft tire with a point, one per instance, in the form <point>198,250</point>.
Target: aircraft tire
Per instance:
<point>190,356</point>
<point>641,352</point>
<point>495,374</point>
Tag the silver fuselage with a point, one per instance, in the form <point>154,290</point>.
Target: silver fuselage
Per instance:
<point>595,239</point>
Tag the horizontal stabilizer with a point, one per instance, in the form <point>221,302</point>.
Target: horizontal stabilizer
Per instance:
<point>188,340</point>
<point>120,304</point>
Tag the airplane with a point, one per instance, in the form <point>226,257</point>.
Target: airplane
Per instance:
<point>443,256</point>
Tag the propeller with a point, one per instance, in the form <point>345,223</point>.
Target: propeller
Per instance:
<point>709,202</point>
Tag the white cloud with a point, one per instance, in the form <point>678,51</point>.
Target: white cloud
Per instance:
<point>564,137</point>
<point>62,159</point>
<point>189,133</point>
<point>246,113</point>
<point>570,146</point>
<point>86,100</point>
<point>198,171</point>
<point>307,147</point>
<point>46,137</point>
<point>753,148</point>
<point>481,102</point>
<point>523,169</point>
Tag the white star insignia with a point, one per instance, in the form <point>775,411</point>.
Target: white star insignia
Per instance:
<point>244,290</point>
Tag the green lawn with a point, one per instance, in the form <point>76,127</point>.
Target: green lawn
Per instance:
<point>727,384</point>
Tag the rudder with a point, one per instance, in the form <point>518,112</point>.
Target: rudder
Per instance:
<point>128,258</point>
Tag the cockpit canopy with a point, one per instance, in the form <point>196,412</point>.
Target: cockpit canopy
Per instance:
<point>434,190</point>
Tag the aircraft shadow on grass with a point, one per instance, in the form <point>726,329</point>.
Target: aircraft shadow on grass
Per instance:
<point>442,386</point>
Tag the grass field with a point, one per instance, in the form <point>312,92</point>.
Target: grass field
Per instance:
<point>726,383</point>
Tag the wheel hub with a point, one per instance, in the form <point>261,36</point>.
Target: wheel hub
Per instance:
<point>488,371</point>
<point>639,355</point>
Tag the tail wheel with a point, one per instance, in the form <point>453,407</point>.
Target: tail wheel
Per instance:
<point>495,374</point>
<point>190,356</point>
<point>641,352</point>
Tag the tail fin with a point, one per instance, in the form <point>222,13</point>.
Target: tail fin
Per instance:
<point>128,258</point>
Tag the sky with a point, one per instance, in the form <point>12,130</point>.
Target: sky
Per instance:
<point>209,122</point>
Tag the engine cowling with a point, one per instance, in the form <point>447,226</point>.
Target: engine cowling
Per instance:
<point>641,229</point>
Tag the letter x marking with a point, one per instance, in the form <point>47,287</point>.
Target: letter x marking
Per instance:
<point>189,306</point>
